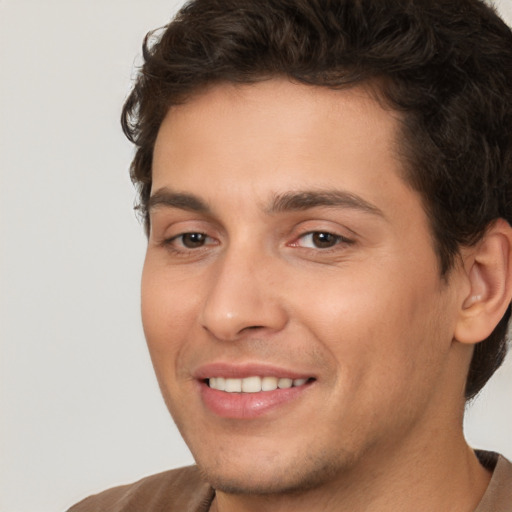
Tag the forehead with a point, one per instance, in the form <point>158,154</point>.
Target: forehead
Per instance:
<point>293,108</point>
<point>275,136</point>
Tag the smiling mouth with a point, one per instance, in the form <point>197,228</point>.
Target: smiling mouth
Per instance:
<point>254,384</point>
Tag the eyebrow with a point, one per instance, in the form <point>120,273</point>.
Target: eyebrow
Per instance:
<point>304,200</point>
<point>180,200</point>
<point>288,201</point>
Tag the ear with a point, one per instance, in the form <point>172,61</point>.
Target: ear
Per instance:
<point>488,267</point>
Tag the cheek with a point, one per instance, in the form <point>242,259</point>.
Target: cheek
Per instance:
<point>167,311</point>
<point>166,316</point>
<point>377,326</point>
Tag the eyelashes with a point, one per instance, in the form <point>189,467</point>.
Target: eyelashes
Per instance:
<point>192,243</point>
<point>320,240</point>
<point>189,244</point>
<point>191,240</point>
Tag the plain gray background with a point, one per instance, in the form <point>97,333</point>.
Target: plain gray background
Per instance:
<point>80,409</point>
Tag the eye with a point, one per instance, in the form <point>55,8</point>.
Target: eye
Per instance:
<point>191,240</point>
<point>320,240</point>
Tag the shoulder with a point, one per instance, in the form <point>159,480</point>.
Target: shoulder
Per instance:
<point>181,489</point>
<point>498,497</point>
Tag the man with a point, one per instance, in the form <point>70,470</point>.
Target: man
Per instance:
<point>326,188</point>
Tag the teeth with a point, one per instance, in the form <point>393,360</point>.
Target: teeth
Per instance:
<point>233,385</point>
<point>268,383</point>
<point>218,383</point>
<point>284,383</point>
<point>253,384</point>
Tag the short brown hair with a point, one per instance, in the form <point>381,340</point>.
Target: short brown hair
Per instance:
<point>445,64</point>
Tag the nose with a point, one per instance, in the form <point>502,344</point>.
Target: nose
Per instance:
<point>244,295</point>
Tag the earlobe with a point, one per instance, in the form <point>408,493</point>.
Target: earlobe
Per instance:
<point>489,272</point>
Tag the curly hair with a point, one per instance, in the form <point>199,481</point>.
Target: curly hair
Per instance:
<point>445,65</point>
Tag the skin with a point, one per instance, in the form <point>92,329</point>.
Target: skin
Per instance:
<point>366,314</point>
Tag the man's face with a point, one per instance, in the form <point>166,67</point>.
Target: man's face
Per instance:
<point>286,250</point>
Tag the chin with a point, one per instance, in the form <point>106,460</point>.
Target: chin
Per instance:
<point>272,476</point>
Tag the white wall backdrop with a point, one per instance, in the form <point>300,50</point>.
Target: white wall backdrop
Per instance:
<point>80,409</point>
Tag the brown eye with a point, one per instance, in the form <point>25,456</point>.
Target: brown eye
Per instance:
<point>324,240</point>
<point>193,240</point>
<point>321,240</point>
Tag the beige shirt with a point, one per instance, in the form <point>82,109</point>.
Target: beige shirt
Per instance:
<point>184,490</point>
<point>498,496</point>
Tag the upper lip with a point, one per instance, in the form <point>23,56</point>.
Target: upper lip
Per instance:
<point>241,371</point>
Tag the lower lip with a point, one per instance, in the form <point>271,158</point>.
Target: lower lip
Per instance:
<point>248,405</point>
